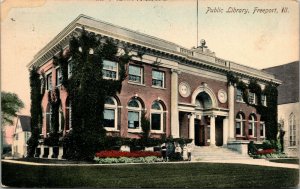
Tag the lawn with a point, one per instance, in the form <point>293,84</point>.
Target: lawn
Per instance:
<point>167,175</point>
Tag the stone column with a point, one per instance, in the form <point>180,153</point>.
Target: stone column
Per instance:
<point>174,104</point>
<point>50,152</point>
<point>231,111</point>
<point>60,152</point>
<point>192,128</point>
<point>212,131</point>
<point>225,131</point>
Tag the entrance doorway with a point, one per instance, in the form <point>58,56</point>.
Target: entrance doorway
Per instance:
<point>200,137</point>
<point>219,131</point>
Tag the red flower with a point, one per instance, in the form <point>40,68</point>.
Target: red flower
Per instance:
<point>117,154</point>
<point>266,151</point>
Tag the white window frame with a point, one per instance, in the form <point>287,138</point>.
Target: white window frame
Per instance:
<point>139,111</point>
<point>141,74</point>
<point>49,85</point>
<point>262,125</point>
<point>239,95</point>
<point>58,76</point>
<point>252,122</point>
<point>60,114</point>
<point>161,113</point>
<point>116,70</point>
<point>115,109</point>
<point>50,118</point>
<point>163,81</point>
<point>264,100</point>
<point>250,99</point>
<point>241,121</point>
<point>292,130</point>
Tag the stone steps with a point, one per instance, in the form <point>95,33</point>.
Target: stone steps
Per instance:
<point>216,153</point>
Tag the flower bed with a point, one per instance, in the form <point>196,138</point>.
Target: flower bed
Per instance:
<point>266,151</point>
<point>118,154</point>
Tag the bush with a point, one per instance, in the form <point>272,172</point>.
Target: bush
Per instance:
<point>118,154</point>
<point>148,159</point>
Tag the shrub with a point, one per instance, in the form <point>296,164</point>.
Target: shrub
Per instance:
<point>117,154</point>
<point>108,160</point>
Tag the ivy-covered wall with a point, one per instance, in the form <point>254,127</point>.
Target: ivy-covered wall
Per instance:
<point>267,113</point>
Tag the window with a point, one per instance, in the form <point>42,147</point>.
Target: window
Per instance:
<point>134,114</point>
<point>48,118</point>
<point>135,74</point>
<point>158,78</point>
<point>49,82</point>
<point>61,119</point>
<point>157,116</point>
<point>264,100</point>
<point>292,130</point>
<point>239,125</point>
<point>251,128</point>
<point>110,69</point>
<point>68,114</point>
<point>251,98</point>
<point>239,95</point>
<point>58,76</point>
<point>262,130</point>
<point>110,113</point>
<point>70,69</point>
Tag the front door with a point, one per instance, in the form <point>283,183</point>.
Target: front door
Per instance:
<point>199,133</point>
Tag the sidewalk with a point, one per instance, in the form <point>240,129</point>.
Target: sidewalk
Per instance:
<point>260,162</point>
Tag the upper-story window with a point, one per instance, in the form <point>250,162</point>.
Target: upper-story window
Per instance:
<point>251,98</point>
<point>110,69</point>
<point>264,100</point>
<point>262,130</point>
<point>158,78</point>
<point>70,69</point>
<point>49,82</point>
<point>58,76</point>
<point>239,95</point>
<point>135,74</point>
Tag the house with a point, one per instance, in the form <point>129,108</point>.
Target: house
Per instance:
<point>22,133</point>
<point>186,92</point>
<point>288,105</point>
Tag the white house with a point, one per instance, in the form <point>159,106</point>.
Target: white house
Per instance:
<point>21,134</point>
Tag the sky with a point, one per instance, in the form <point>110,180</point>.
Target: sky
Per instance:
<point>260,40</point>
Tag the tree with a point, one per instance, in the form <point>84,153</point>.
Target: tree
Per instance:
<point>11,104</point>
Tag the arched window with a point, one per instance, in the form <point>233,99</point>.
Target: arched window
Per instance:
<point>61,119</point>
<point>48,118</point>
<point>110,113</point>
<point>239,124</point>
<point>292,130</point>
<point>252,128</point>
<point>68,115</point>
<point>134,114</point>
<point>262,129</point>
<point>157,116</point>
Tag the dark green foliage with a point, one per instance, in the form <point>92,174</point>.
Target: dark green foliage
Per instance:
<point>10,105</point>
<point>145,124</point>
<point>268,113</point>
<point>231,78</point>
<point>88,90</point>
<point>36,109</point>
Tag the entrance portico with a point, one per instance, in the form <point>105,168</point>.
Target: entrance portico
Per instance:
<point>205,122</point>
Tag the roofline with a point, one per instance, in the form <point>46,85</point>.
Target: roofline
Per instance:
<point>292,62</point>
<point>169,47</point>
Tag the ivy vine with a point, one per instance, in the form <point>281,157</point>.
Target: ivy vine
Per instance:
<point>269,112</point>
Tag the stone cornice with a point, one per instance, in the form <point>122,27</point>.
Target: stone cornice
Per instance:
<point>147,44</point>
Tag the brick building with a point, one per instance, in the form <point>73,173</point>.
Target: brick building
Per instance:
<point>184,91</point>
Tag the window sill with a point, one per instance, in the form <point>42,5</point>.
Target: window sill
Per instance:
<point>111,129</point>
<point>157,87</point>
<point>133,83</point>
<point>241,102</point>
<point>156,132</point>
<point>110,78</point>
<point>292,147</point>
<point>134,130</point>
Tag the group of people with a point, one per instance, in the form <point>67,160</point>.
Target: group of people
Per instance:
<point>176,150</point>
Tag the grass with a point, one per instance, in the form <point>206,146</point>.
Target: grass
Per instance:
<point>167,175</point>
<point>286,160</point>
